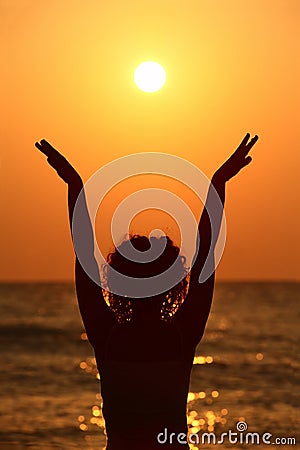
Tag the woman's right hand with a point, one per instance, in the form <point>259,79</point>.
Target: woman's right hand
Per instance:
<point>62,166</point>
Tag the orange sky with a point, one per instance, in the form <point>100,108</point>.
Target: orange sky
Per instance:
<point>67,76</point>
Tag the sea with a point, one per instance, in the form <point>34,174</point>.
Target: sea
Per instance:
<point>244,390</point>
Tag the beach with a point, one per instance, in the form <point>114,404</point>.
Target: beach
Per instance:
<point>246,367</point>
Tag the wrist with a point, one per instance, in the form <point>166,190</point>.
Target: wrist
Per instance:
<point>219,178</point>
<point>75,181</point>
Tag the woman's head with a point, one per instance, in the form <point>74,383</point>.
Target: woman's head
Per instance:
<point>167,256</point>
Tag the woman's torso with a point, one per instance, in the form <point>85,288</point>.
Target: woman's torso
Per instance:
<point>144,373</point>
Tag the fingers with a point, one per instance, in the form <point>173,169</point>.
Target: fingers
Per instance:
<point>46,148</point>
<point>251,143</point>
<point>245,147</point>
<point>247,161</point>
<point>244,141</point>
<point>40,147</point>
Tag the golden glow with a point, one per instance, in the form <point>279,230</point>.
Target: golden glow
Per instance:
<point>196,418</point>
<point>203,360</point>
<point>96,411</point>
<point>199,360</point>
<point>191,397</point>
<point>150,76</point>
<point>218,87</point>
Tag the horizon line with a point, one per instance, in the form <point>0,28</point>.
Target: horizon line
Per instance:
<point>222,280</point>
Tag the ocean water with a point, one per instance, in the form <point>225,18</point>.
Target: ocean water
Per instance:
<point>246,369</point>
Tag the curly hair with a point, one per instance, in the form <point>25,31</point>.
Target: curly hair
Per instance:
<point>121,306</point>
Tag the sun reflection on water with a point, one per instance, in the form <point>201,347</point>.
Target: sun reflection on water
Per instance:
<point>199,417</point>
<point>203,360</point>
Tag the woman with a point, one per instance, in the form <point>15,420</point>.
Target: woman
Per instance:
<point>145,347</point>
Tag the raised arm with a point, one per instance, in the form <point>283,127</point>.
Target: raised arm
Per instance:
<point>96,315</point>
<point>194,312</point>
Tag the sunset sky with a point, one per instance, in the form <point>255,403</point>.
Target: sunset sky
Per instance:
<point>67,76</point>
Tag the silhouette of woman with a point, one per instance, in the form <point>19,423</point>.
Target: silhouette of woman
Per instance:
<point>145,347</point>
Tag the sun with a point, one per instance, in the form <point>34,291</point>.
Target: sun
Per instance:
<point>149,76</point>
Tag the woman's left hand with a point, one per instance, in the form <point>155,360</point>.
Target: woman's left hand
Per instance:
<point>237,160</point>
